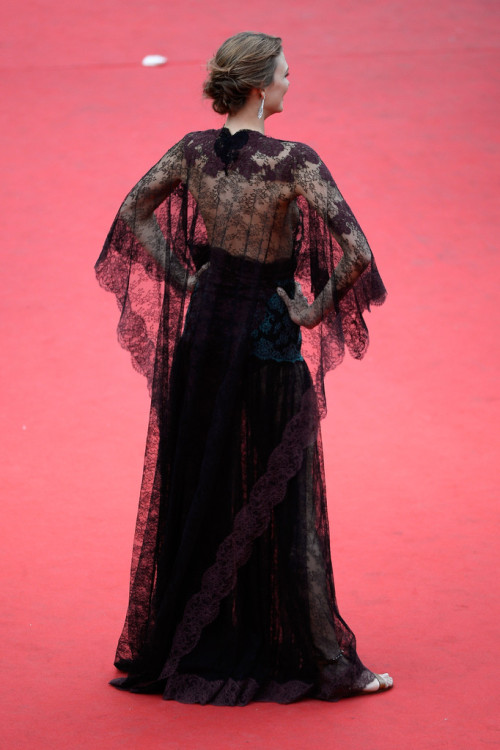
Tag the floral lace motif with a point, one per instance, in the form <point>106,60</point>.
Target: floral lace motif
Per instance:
<point>259,202</point>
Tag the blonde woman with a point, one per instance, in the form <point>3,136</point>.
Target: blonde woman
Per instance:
<point>241,276</point>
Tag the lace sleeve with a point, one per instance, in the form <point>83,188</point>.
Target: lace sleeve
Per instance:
<point>315,183</point>
<point>336,269</point>
<point>146,265</point>
<point>138,211</point>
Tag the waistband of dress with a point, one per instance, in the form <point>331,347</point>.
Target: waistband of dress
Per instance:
<point>242,265</point>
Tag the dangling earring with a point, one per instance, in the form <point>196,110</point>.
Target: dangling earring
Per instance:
<point>261,108</point>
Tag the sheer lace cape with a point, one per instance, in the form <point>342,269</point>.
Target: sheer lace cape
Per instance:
<point>262,199</point>
<point>271,209</point>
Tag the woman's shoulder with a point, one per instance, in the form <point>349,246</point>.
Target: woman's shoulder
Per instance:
<point>199,137</point>
<point>197,143</point>
<point>297,151</point>
<point>193,138</point>
<point>304,152</point>
<point>306,159</point>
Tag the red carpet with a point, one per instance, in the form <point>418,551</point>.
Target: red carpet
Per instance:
<point>401,101</point>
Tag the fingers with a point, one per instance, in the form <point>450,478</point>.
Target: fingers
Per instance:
<point>202,269</point>
<point>196,276</point>
<point>284,296</point>
<point>299,294</point>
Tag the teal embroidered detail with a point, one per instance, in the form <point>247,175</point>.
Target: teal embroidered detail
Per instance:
<point>277,337</point>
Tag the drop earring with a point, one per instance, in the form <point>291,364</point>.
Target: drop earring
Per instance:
<point>261,108</point>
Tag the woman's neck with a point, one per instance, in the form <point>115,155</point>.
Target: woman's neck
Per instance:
<point>233,124</point>
<point>246,118</point>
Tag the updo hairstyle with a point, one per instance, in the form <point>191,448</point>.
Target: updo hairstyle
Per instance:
<point>244,62</point>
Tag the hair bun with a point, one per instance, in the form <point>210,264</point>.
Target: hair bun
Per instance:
<point>244,62</point>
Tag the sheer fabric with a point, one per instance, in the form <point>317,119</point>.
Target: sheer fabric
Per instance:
<point>231,591</point>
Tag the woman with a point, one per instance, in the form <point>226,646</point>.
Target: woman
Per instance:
<point>231,594</point>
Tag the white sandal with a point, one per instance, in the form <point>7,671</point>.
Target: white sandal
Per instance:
<point>385,682</point>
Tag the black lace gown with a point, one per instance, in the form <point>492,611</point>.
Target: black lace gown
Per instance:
<point>231,592</point>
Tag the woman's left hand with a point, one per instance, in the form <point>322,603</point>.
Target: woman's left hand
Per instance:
<point>194,278</point>
<point>299,309</point>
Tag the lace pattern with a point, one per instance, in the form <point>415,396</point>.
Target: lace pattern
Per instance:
<point>262,212</point>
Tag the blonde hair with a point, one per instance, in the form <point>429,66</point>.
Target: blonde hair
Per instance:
<point>244,62</point>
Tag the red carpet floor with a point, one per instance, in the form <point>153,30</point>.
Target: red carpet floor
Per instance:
<point>402,102</point>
